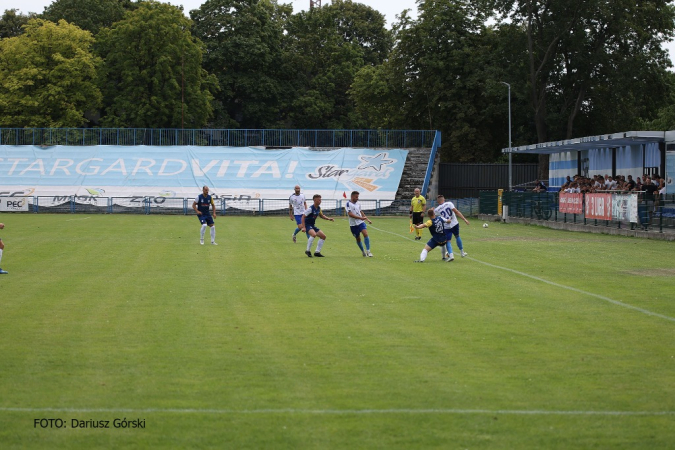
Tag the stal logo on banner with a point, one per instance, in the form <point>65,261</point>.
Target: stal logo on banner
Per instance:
<point>372,168</point>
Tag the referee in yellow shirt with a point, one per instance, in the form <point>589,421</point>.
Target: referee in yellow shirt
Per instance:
<point>417,205</point>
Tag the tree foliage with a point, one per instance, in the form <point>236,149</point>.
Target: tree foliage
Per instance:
<point>153,75</point>
<point>47,76</point>
<point>437,77</point>
<point>90,15</point>
<point>243,40</point>
<point>326,48</point>
<point>12,22</point>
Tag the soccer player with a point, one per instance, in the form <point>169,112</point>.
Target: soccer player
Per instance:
<point>297,207</point>
<point>417,205</point>
<point>2,247</point>
<point>357,223</point>
<point>437,229</point>
<point>448,211</point>
<point>308,225</point>
<point>201,206</point>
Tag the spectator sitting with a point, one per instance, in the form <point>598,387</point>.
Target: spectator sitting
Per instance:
<point>539,186</point>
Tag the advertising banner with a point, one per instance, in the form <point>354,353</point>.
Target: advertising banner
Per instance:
<point>232,173</point>
<point>625,207</point>
<point>599,206</point>
<point>571,203</point>
<point>9,204</point>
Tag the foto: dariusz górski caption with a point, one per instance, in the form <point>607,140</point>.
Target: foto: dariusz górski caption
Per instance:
<point>74,423</point>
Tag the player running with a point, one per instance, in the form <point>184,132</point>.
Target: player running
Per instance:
<point>297,207</point>
<point>201,206</point>
<point>438,237</point>
<point>447,210</point>
<point>2,247</point>
<point>357,223</point>
<point>308,225</point>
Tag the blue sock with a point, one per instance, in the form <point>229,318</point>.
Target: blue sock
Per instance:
<point>360,245</point>
<point>367,240</point>
<point>448,245</point>
<point>459,243</point>
<point>297,230</point>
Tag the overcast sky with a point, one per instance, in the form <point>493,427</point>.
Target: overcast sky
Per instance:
<point>390,8</point>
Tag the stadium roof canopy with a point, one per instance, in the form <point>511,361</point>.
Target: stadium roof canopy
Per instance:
<point>592,142</point>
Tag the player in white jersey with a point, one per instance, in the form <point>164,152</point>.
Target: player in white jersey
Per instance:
<point>357,223</point>
<point>448,211</point>
<point>297,206</point>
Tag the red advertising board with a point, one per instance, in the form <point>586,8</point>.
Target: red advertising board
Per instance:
<point>571,203</point>
<point>599,206</point>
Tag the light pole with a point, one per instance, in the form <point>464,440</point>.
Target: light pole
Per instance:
<point>510,154</point>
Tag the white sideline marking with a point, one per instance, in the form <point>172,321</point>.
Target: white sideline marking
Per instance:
<point>536,412</point>
<point>601,297</point>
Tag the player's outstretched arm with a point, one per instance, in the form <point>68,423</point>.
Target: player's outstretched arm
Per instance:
<point>456,211</point>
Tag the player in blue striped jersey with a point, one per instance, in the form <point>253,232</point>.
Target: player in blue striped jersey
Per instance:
<point>308,225</point>
<point>438,238</point>
<point>202,205</point>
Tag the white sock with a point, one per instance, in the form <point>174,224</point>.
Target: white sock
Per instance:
<point>213,233</point>
<point>423,255</point>
<point>309,242</point>
<point>0,255</point>
<point>320,244</point>
<point>203,230</point>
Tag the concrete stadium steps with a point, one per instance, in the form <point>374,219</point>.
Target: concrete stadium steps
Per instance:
<point>413,173</point>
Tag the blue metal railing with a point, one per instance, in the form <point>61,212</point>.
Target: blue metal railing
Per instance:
<point>221,137</point>
<point>225,206</point>
<point>432,159</point>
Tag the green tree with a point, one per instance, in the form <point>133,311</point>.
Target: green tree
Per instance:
<point>439,76</point>
<point>47,76</point>
<point>581,51</point>
<point>326,47</point>
<point>153,76</point>
<point>11,23</point>
<point>243,40</point>
<point>90,15</point>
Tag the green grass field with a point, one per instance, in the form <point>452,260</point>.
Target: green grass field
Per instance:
<point>540,339</point>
